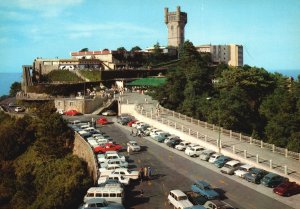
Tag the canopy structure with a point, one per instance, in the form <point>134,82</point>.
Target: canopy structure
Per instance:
<point>147,82</point>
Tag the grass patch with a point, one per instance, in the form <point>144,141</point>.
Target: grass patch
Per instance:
<point>92,75</point>
<point>63,75</point>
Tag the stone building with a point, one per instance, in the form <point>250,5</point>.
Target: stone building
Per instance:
<point>176,22</point>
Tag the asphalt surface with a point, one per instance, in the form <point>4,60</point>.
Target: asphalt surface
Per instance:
<point>173,170</point>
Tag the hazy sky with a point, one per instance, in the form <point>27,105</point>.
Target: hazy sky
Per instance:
<point>269,30</point>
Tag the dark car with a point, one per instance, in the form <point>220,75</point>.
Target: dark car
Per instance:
<point>221,161</point>
<point>272,180</point>
<point>195,198</point>
<point>287,189</point>
<point>173,142</point>
<point>123,120</point>
<point>255,175</point>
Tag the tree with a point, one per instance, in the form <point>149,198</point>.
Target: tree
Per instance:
<point>14,88</point>
<point>84,50</point>
<point>135,48</point>
<point>121,49</point>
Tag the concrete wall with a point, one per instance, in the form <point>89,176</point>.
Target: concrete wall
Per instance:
<point>83,150</point>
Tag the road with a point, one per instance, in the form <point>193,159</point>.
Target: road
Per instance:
<point>173,170</point>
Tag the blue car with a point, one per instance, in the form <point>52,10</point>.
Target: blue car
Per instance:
<point>221,161</point>
<point>204,189</point>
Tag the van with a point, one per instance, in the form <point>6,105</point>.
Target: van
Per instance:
<point>110,192</point>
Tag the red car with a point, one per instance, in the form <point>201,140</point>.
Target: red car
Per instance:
<point>131,122</point>
<point>287,189</point>
<point>108,147</point>
<point>72,112</point>
<point>102,121</point>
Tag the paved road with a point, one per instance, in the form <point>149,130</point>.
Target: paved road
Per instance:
<point>173,170</point>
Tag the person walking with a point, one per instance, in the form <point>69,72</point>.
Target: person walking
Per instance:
<point>149,170</point>
<point>128,150</point>
<point>146,172</point>
<point>141,174</point>
<point>131,132</point>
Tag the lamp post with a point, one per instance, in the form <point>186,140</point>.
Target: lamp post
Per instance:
<point>219,126</point>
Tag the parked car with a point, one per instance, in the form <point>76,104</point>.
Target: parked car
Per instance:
<point>100,203</point>
<point>130,123</point>
<point>204,189</point>
<point>173,142</point>
<point>19,109</point>
<point>194,151</point>
<point>205,155</point>
<point>108,147</point>
<point>217,204</point>
<point>127,173</point>
<point>122,179</point>
<point>109,113</point>
<point>220,162</point>
<point>133,146</point>
<point>110,155</point>
<point>134,125</point>
<point>161,136</point>
<point>287,189</point>
<point>121,163</point>
<point>214,157</point>
<point>72,112</point>
<point>179,199</point>
<point>171,138</point>
<point>272,180</point>
<point>182,145</point>
<point>230,167</point>
<point>108,170</point>
<point>255,175</point>
<point>124,120</point>
<point>196,198</point>
<point>243,170</point>
<point>101,121</point>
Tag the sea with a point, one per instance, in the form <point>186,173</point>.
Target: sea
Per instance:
<point>6,79</point>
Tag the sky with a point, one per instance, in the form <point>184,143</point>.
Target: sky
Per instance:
<point>269,30</point>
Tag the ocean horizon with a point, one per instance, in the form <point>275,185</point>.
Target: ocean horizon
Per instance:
<point>6,79</point>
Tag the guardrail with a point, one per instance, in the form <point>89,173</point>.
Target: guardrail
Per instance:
<point>242,153</point>
<point>234,135</point>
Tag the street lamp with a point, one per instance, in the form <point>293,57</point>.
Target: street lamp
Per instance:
<point>219,127</point>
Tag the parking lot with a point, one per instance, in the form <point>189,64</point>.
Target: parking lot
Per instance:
<point>173,170</point>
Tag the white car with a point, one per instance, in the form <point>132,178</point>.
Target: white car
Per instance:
<point>110,155</point>
<point>109,113</point>
<point>243,170</point>
<point>182,145</point>
<point>155,132</point>
<point>19,109</point>
<point>214,157</point>
<point>178,199</point>
<point>108,170</point>
<point>121,163</point>
<point>134,125</point>
<point>122,179</point>
<point>127,173</point>
<point>194,151</point>
<point>206,155</point>
<point>133,146</point>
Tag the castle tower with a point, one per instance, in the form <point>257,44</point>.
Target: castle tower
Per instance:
<point>176,22</point>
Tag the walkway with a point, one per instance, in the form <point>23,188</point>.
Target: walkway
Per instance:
<point>235,144</point>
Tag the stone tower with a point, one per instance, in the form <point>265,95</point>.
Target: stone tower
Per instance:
<point>176,22</point>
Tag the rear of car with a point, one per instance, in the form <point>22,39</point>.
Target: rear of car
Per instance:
<point>230,167</point>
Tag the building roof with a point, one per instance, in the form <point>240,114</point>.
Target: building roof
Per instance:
<point>148,82</point>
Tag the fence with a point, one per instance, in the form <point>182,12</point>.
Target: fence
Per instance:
<point>234,135</point>
<point>232,149</point>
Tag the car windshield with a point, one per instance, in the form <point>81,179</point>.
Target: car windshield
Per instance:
<point>207,187</point>
<point>182,198</point>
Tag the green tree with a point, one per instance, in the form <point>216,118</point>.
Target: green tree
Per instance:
<point>14,88</point>
<point>84,50</point>
<point>135,48</point>
<point>121,49</point>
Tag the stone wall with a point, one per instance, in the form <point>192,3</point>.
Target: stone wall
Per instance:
<point>83,150</point>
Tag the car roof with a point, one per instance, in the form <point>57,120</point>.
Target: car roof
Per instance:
<point>132,141</point>
<point>247,166</point>
<point>204,183</point>
<point>178,192</point>
<point>233,162</point>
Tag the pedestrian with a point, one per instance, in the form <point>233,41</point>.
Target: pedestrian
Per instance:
<point>128,150</point>
<point>141,193</point>
<point>131,132</point>
<point>141,174</point>
<point>149,172</point>
<point>146,172</point>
